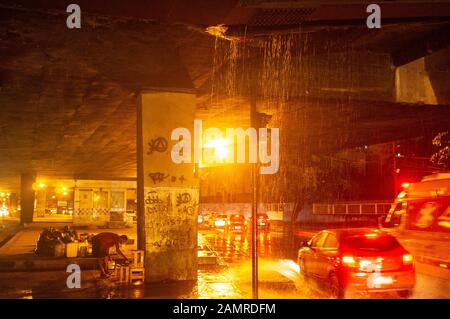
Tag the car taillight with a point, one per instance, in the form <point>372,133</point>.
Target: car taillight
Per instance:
<point>348,260</point>
<point>407,259</point>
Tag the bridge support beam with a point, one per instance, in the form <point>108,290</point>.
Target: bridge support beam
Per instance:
<point>27,197</point>
<point>168,193</point>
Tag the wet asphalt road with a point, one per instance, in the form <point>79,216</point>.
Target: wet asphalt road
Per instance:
<point>278,270</point>
<point>278,276</point>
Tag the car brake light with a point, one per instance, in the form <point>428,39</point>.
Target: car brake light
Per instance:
<point>349,260</point>
<point>407,259</point>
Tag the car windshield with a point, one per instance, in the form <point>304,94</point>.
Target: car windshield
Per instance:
<point>375,242</point>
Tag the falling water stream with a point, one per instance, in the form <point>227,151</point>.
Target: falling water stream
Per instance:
<point>306,86</point>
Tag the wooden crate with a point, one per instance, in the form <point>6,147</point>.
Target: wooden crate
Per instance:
<point>123,274</point>
<point>138,258</point>
<point>137,274</point>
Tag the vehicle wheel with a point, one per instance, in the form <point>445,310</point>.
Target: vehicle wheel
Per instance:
<point>303,272</point>
<point>404,293</point>
<point>335,287</point>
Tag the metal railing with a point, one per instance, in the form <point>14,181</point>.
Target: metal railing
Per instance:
<point>359,208</point>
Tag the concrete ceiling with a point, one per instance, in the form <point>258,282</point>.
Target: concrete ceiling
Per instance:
<point>68,97</point>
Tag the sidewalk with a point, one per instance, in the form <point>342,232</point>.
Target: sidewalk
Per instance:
<point>17,254</point>
<point>25,275</point>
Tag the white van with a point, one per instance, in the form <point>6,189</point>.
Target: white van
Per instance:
<point>420,219</point>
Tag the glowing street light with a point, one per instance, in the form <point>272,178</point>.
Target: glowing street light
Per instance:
<point>220,147</point>
<point>215,151</point>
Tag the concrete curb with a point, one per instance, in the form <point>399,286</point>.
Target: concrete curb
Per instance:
<point>10,235</point>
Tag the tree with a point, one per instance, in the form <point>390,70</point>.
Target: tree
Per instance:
<point>442,157</point>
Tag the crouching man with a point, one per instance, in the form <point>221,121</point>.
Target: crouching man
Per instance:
<point>101,244</point>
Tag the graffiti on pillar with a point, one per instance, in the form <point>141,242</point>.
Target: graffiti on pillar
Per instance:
<point>159,177</point>
<point>187,210</point>
<point>173,238</point>
<point>154,204</point>
<point>183,198</point>
<point>170,218</point>
<point>158,144</point>
<point>185,205</point>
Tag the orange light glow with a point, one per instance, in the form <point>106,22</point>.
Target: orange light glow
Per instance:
<point>349,260</point>
<point>401,195</point>
<point>405,185</point>
<point>219,148</point>
<point>219,223</point>
<point>361,274</point>
<point>407,259</point>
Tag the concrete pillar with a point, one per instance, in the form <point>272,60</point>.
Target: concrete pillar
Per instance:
<point>413,84</point>
<point>424,80</point>
<point>27,197</point>
<point>41,202</point>
<point>168,193</point>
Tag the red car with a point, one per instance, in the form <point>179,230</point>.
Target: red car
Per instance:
<point>262,221</point>
<point>237,223</point>
<point>359,259</point>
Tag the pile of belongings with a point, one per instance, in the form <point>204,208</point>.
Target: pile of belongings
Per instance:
<point>52,241</point>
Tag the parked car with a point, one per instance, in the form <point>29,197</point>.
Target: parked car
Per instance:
<point>221,222</point>
<point>359,259</point>
<point>263,222</point>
